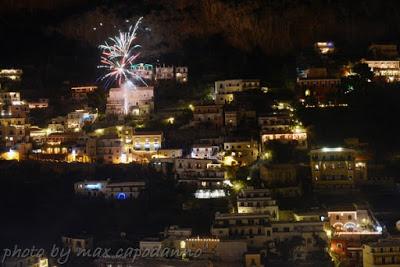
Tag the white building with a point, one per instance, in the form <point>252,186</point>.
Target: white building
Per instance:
<point>252,200</point>
<point>110,190</point>
<point>39,104</point>
<point>385,252</point>
<point>224,90</point>
<point>389,69</point>
<point>164,72</point>
<point>205,151</point>
<point>133,100</point>
<point>144,71</point>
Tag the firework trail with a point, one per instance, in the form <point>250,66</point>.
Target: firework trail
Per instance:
<point>118,55</point>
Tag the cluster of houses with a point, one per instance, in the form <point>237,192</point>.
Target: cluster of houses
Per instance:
<point>256,226</point>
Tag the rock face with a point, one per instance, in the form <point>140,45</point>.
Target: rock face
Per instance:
<point>274,27</point>
<point>270,26</point>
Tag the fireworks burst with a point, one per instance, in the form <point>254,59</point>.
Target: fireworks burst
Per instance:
<point>118,55</point>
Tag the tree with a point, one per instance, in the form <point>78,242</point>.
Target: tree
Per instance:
<point>363,71</point>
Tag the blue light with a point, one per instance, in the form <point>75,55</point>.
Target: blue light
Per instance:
<point>121,196</point>
<point>93,186</point>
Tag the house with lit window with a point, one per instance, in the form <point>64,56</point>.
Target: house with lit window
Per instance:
<point>384,252</point>
<point>204,151</point>
<point>181,74</point>
<point>335,167</point>
<point>110,189</point>
<point>130,99</point>
<point>211,115</point>
<point>252,200</point>
<point>144,71</point>
<point>164,72</point>
<point>147,141</point>
<point>225,90</point>
<point>244,152</point>
<point>81,92</point>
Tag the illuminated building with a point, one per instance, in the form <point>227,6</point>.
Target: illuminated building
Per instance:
<point>252,200</point>
<point>201,172</point>
<point>164,72</point>
<point>77,242</point>
<point>81,92</point>
<point>324,48</point>
<point>389,69</point>
<point>209,193</point>
<point>280,126</point>
<point>231,118</point>
<point>109,150</point>
<point>13,130</point>
<point>276,122</point>
<point>385,252</point>
<point>317,85</point>
<point>144,71</point>
<point>243,152</point>
<point>204,151</point>
<point>335,168</point>
<point>353,221</point>
<point>208,115</point>
<point>110,190</point>
<point>11,74</point>
<point>137,101</point>
<point>168,153</point>
<point>29,261</point>
<point>8,98</point>
<point>58,124</point>
<point>253,228</point>
<point>147,141</point>
<point>181,74</point>
<point>39,104</point>
<point>224,90</point>
<point>78,118</point>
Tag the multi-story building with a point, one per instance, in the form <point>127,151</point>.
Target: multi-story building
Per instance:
<point>144,71</point>
<point>13,130</point>
<point>252,200</point>
<point>388,69</point>
<point>137,101</point>
<point>81,92</point>
<point>78,118</point>
<point>317,85</point>
<point>8,98</point>
<point>110,150</point>
<point>353,221</point>
<point>204,151</point>
<point>164,72</point>
<point>58,124</point>
<point>39,103</point>
<point>231,118</point>
<point>254,228</point>
<point>385,252</point>
<point>335,168</point>
<point>224,91</point>
<point>109,189</point>
<point>208,114</point>
<point>11,74</point>
<point>147,141</point>
<point>244,152</point>
<point>324,48</point>
<point>181,74</point>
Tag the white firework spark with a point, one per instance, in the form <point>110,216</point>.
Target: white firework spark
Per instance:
<point>119,54</point>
